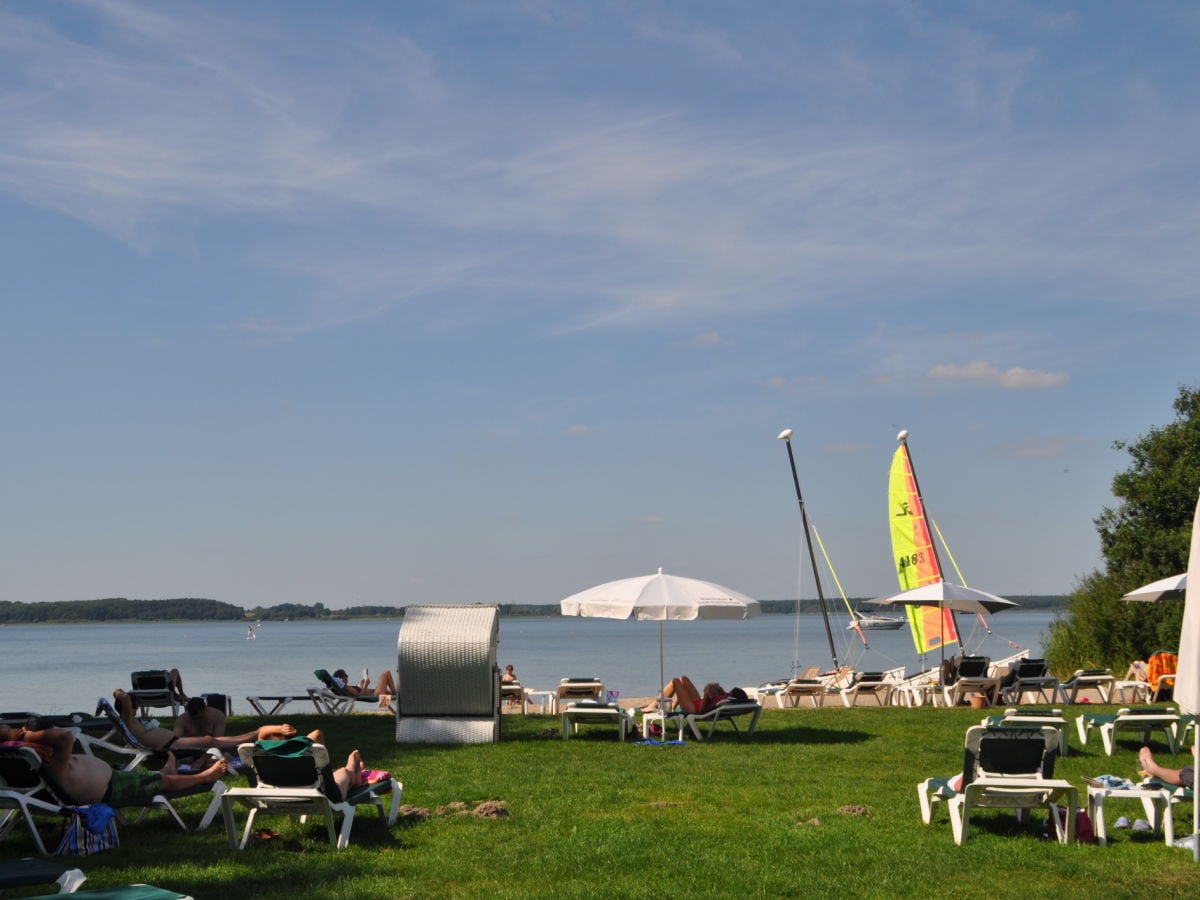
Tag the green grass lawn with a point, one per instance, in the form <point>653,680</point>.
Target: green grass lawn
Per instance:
<point>592,816</point>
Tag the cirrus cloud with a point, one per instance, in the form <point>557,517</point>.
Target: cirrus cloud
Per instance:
<point>1014,379</point>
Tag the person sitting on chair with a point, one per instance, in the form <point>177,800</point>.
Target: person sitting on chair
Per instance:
<point>89,779</point>
<point>1185,776</point>
<point>687,698</point>
<point>162,739</point>
<point>198,719</point>
<point>509,674</point>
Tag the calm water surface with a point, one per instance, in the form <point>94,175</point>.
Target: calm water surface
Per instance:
<point>63,668</point>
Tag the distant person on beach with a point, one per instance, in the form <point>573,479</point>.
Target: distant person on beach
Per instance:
<point>198,719</point>
<point>385,685</point>
<point>687,698</point>
<point>509,674</point>
<point>1185,776</point>
<point>162,739</point>
<point>89,779</point>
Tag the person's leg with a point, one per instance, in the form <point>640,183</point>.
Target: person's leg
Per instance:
<point>386,684</point>
<point>1170,776</point>
<point>686,694</point>
<point>172,780</point>
<point>177,686</point>
<point>350,775</point>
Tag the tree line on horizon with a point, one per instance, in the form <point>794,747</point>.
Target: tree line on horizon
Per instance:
<point>197,609</point>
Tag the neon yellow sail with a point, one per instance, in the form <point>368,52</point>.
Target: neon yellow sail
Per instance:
<point>916,562</point>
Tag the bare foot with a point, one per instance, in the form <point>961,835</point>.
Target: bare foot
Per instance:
<point>215,771</point>
<point>354,766</point>
<point>317,737</point>
<point>169,767</point>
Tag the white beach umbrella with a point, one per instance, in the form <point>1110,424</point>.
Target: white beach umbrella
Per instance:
<point>1187,677</point>
<point>658,598</point>
<point>1170,588</point>
<point>949,595</point>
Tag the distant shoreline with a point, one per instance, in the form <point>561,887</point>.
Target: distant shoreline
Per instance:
<point>34,613</point>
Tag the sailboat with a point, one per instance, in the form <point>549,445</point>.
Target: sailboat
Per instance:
<point>917,562</point>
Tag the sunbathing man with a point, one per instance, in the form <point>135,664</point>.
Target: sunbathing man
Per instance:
<point>88,779</point>
<point>162,739</point>
<point>687,698</point>
<point>198,719</point>
<point>1185,776</point>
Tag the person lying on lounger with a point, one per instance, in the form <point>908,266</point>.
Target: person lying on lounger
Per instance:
<point>687,698</point>
<point>385,685</point>
<point>353,774</point>
<point>1185,776</point>
<point>88,779</point>
<point>162,739</point>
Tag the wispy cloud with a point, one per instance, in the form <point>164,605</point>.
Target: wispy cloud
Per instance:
<point>167,117</point>
<point>1010,379</point>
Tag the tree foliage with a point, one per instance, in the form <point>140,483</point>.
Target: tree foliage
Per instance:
<point>1143,538</point>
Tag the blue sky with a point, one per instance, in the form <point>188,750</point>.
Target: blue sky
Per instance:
<point>493,301</point>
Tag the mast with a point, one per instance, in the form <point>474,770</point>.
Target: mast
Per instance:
<point>902,437</point>
<point>786,437</point>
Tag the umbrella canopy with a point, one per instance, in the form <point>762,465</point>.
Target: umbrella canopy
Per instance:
<point>658,598</point>
<point>1170,588</point>
<point>949,595</point>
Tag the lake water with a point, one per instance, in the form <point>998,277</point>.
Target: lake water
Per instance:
<point>64,668</point>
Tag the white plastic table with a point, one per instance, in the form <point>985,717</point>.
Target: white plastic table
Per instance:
<point>1156,802</point>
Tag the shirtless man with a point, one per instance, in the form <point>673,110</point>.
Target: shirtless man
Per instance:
<point>1185,776</point>
<point>198,719</point>
<point>87,779</point>
<point>162,739</point>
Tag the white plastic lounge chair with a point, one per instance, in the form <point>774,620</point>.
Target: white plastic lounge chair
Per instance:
<point>725,711</point>
<point>875,684</point>
<point>1142,721</point>
<point>1100,680</point>
<point>15,873</point>
<point>512,693</point>
<point>593,712</point>
<point>779,689</point>
<point>447,677</point>
<point>576,688</point>
<point>1032,676</point>
<point>301,785</point>
<point>1033,717</point>
<point>974,677</point>
<point>271,704</point>
<point>1006,768</point>
<point>29,788</point>
<point>153,688</point>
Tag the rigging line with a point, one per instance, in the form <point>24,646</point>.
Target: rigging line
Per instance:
<point>841,590</point>
<point>796,618</point>
<point>957,570</point>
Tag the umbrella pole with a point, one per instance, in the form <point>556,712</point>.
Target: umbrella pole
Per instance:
<point>662,676</point>
<point>786,437</point>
